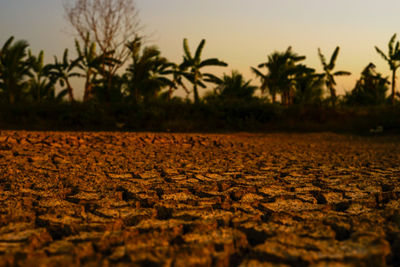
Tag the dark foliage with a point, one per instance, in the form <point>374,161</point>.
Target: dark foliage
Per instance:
<point>180,116</point>
<point>370,89</point>
<point>140,99</point>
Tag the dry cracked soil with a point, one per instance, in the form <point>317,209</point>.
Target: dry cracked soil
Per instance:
<point>146,199</point>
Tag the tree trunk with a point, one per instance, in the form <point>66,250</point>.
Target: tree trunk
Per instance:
<point>333,95</point>
<point>291,95</point>
<point>108,90</point>
<point>286,98</point>
<point>170,92</point>
<point>70,92</point>
<point>196,94</point>
<point>109,77</point>
<point>88,87</point>
<point>393,85</point>
<point>88,92</point>
<point>11,92</point>
<point>12,98</point>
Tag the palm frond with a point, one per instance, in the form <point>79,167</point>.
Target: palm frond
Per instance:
<point>212,62</point>
<point>382,54</point>
<point>334,56</point>
<point>257,73</point>
<point>201,84</point>
<point>61,95</point>
<point>390,45</point>
<point>7,43</point>
<point>65,57</point>
<point>189,76</point>
<point>186,49</point>
<point>322,58</point>
<point>212,78</point>
<point>342,73</point>
<point>265,64</point>
<point>199,50</point>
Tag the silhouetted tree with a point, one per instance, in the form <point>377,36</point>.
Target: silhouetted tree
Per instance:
<point>282,71</point>
<point>234,86</point>
<point>148,72</point>
<point>266,83</point>
<point>194,65</point>
<point>110,25</point>
<point>176,71</point>
<point>14,70</point>
<point>393,60</point>
<point>309,89</point>
<point>92,64</point>
<point>62,71</point>
<point>89,63</point>
<point>329,75</point>
<point>370,89</point>
<point>41,86</point>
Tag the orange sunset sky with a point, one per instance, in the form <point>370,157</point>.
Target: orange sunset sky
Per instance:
<point>240,32</point>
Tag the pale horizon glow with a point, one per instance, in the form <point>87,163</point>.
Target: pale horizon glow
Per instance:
<point>240,32</point>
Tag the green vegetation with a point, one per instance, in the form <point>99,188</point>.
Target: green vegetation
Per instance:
<point>130,86</point>
<point>393,60</point>
<point>141,97</point>
<point>370,89</point>
<point>194,64</point>
<point>329,75</point>
<point>15,70</point>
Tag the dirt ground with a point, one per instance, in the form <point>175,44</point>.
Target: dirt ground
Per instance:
<point>143,199</point>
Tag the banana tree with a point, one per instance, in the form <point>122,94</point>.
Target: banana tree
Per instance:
<point>41,87</point>
<point>89,63</point>
<point>234,86</point>
<point>14,69</point>
<point>194,65</point>
<point>393,60</point>
<point>177,73</point>
<point>309,88</point>
<point>283,69</point>
<point>92,65</point>
<point>62,72</point>
<point>329,75</point>
<point>266,83</point>
<point>148,73</point>
<point>370,89</point>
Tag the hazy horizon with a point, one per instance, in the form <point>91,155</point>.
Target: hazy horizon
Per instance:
<point>242,33</point>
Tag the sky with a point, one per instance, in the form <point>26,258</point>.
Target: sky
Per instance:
<point>240,32</point>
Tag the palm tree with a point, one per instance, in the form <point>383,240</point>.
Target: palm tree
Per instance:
<point>89,63</point>
<point>234,86</point>
<point>177,72</point>
<point>393,59</point>
<point>370,89</point>
<point>329,75</point>
<point>62,71</point>
<point>41,87</point>
<point>266,83</point>
<point>148,72</point>
<point>282,71</point>
<point>309,89</point>
<point>14,69</point>
<point>194,64</point>
<point>93,65</point>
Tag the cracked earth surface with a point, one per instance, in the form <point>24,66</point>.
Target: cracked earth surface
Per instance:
<point>143,199</point>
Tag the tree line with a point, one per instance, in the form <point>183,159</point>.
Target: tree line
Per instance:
<point>150,76</point>
<point>117,67</point>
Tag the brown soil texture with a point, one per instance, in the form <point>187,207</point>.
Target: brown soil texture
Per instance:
<point>146,199</point>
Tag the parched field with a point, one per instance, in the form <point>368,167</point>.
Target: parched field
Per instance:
<point>143,199</point>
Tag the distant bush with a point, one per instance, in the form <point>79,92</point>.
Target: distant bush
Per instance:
<point>181,116</point>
